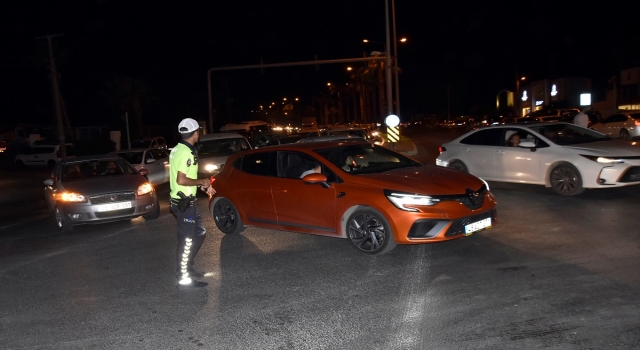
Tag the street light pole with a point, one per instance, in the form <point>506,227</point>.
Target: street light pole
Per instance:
<point>395,57</point>
<point>388,61</point>
<point>56,96</point>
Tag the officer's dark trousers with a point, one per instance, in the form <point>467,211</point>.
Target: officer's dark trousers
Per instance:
<point>191,234</point>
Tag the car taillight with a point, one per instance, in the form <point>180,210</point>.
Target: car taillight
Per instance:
<point>442,149</point>
<point>212,180</point>
<point>637,123</point>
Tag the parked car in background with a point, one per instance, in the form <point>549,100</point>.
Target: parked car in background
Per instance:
<point>155,160</point>
<point>96,189</point>
<point>150,142</point>
<point>563,156</point>
<point>371,196</point>
<point>213,150</point>
<point>43,155</point>
<point>622,125</point>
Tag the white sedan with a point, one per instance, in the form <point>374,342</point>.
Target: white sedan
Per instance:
<point>565,157</point>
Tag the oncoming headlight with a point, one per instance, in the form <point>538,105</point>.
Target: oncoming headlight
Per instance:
<point>210,167</point>
<point>408,201</point>
<point>144,189</point>
<point>71,197</point>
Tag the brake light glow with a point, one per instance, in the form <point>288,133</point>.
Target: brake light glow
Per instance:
<point>637,122</point>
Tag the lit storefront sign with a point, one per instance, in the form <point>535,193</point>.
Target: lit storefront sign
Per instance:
<point>524,96</point>
<point>585,99</point>
<point>554,90</point>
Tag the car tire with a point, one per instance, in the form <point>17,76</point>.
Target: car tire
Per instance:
<point>624,134</point>
<point>369,232</point>
<point>458,165</point>
<point>63,225</point>
<point>155,213</point>
<point>565,180</point>
<point>226,217</point>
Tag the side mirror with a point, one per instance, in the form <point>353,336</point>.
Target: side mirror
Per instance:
<point>143,172</point>
<point>150,160</point>
<point>527,144</point>
<point>48,182</point>
<point>316,178</point>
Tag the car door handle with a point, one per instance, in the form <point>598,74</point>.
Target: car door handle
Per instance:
<point>500,152</point>
<point>469,150</point>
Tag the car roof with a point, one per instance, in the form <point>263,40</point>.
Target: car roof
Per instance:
<point>220,135</point>
<point>131,150</point>
<point>93,157</point>
<point>333,138</point>
<point>311,145</point>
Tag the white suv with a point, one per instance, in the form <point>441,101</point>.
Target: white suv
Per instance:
<point>47,155</point>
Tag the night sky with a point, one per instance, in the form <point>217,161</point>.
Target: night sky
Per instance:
<point>475,49</point>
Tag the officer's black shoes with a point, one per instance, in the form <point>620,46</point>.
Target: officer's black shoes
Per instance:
<point>194,284</point>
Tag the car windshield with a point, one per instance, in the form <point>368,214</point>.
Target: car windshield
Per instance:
<point>569,134</point>
<point>132,157</point>
<point>365,158</point>
<point>221,147</point>
<point>89,169</point>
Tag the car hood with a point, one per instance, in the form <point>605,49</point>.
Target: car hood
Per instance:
<point>426,179</point>
<point>107,184</point>
<point>613,148</point>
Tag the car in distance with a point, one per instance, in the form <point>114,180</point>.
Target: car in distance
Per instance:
<point>155,160</point>
<point>96,189</point>
<point>150,142</point>
<point>213,150</point>
<point>563,156</point>
<point>622,125</point>
<point>371,196</point>
<point>43,155</point>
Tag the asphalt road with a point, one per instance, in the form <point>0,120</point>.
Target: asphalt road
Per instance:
<point>554,273</point>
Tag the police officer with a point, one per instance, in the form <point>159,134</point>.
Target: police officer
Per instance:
<point>184,182</point>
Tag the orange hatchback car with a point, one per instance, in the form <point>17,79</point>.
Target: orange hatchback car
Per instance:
<point>372,196</point>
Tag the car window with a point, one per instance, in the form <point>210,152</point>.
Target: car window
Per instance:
<point>364,158</point>
<point>255,164</point>
<point>486,137</point>
<point>635,116</point>
<point>569,134</point>
<point>42,150</point>
<point>132,157</point>
<point>222,147</point>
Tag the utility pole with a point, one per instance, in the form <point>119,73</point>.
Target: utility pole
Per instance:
<point>56,95</point>
<point>387,62</point>
<point>395,57</point>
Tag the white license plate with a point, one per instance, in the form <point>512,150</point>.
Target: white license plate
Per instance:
<point>477,226</point>
<point>113,206</point>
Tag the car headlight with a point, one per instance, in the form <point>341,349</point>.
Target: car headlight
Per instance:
<point>408,201</point>
<point>71,197</point>
<point>210,167</point>
<point>144,189</point>
<point>375,133</point>
<point>603,160</point>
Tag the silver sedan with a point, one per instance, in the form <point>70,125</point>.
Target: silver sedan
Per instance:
<point>96,189</point>
<point>155,160</point>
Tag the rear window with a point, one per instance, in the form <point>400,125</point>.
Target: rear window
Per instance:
<point>635,115</point>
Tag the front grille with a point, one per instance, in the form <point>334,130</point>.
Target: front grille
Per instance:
<point>472,200</point>
<point>631,175</point>
<point>457,226</point>
<point>114,213</point>
<point>113,197</point>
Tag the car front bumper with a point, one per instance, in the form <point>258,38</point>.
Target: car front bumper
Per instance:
<point>83,213</point>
